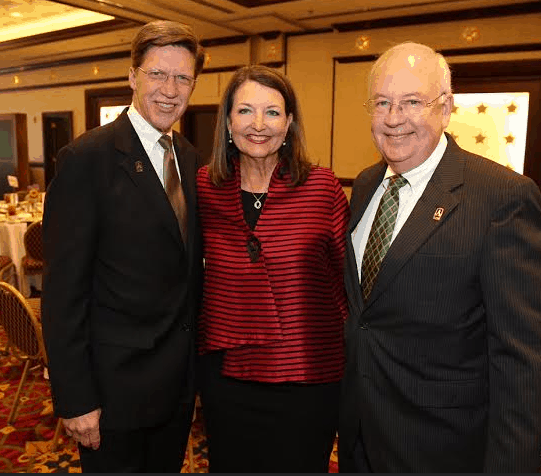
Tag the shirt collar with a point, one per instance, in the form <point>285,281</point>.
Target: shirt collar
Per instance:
<point>149,135</point>
<point>421,174</point>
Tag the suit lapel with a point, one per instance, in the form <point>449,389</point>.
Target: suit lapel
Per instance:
<point>187,167</point>
<point>363,189</point>
<point>141,171</point>
<point>440,195</point>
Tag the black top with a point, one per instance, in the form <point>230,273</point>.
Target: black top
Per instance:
<point>251,213</point>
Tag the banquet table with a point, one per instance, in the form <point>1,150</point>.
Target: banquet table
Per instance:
<point>12,230</point>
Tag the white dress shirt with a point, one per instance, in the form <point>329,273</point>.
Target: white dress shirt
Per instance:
<point>149,138</point>
<point>409,195</point>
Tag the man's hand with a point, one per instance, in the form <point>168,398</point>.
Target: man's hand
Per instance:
<point>85,429</point>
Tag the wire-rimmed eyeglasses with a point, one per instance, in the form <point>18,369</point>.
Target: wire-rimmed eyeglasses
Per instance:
<point>162,77</point>
<point>409,107</point>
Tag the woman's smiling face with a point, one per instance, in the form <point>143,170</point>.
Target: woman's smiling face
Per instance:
<point>258,122</point>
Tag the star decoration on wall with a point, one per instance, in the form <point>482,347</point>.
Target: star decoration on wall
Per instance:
<point>481,109</point>
<point>509,139</point>
<point>511,108</point>
<point>480,138</point>
<point>454,110</point>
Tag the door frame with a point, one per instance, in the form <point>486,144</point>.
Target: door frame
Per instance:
<point>49,160</point>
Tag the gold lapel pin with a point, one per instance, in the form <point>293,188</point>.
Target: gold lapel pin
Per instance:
<point>438,214</point>
<point>139,166</point>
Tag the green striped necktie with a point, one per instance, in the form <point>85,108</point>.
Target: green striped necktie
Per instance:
<point>381,233</point>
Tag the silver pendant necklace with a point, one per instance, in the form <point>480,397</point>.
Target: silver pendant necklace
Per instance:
<point>257,203</point>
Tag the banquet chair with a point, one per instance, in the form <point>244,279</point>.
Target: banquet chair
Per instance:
<point>8,272</point>
<point>20,319</point>
<point>32,261</point>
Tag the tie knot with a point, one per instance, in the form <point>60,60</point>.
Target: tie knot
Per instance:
<point>166,142</point>
<point>396,182</point>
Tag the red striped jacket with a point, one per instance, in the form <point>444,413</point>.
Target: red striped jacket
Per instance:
<point>280,318</point>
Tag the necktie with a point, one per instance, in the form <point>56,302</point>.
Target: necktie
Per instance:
<point>381,233</point>
<point>172,185</point>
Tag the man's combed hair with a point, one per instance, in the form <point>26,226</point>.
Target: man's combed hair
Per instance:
<point>293,156</point>
<point>165,33</point>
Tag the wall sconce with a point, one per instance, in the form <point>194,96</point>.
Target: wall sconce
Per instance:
<point>362,42</point>
<point>95,70</point>
<point>471,34</point>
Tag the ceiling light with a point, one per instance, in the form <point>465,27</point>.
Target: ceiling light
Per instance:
<point>16,14</point>
<point>53,23</point>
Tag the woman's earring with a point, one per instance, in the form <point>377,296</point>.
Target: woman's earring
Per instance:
<point>230,139</point>
<point>284,143</point>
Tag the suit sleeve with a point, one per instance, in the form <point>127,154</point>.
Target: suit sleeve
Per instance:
<point>511,284</point>
<point>340,220</point>
<point>69,246</point>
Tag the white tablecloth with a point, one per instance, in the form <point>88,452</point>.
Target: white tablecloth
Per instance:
<point>12,245</point>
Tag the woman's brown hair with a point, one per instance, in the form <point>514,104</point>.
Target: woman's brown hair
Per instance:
<point>293,156</point>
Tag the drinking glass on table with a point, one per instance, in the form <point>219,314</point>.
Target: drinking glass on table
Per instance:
<point>11,198</point>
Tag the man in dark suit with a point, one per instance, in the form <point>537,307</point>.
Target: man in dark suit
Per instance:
<point>122,283</point>
<point>444,334</point>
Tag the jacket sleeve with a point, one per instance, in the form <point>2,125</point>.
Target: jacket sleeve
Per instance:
<point>339,220</point>
<point>69,246</point>
<point>511,286</point>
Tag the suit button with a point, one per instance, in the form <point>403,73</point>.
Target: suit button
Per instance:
<point>364,325</point>
<point>186,327</point>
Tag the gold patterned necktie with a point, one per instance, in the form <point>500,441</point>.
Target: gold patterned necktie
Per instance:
<point>172,186</point>
<point>381,233</point>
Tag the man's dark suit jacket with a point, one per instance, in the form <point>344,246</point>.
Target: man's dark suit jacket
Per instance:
<point>120,290</point>
<point>444,360</point>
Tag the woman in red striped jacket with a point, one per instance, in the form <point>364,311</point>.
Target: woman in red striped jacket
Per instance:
<point>271,326</point>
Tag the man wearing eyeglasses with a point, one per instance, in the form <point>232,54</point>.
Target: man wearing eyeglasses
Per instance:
<point>123,274</point>
<point>443,272</point>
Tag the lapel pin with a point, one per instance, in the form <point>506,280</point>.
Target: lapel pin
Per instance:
<point>139,166</point>
<point>438,214</point>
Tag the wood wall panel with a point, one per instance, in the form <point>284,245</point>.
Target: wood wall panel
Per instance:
<point>352,145</point>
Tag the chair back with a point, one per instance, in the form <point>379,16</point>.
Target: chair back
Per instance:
<point>20,323</point>
<point>33,241</point>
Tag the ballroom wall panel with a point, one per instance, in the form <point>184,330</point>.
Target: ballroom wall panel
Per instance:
<point>328,71</point>
<point>332,93</point>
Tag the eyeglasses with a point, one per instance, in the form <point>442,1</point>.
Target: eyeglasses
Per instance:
<point>253,246</point>
<point>162,77</point>
<point>408,107</point>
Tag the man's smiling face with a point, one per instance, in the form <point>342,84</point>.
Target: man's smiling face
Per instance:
<point>162,103</point>
<point>406,141</point>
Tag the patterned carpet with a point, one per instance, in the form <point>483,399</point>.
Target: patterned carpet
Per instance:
<point>25,446</point>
